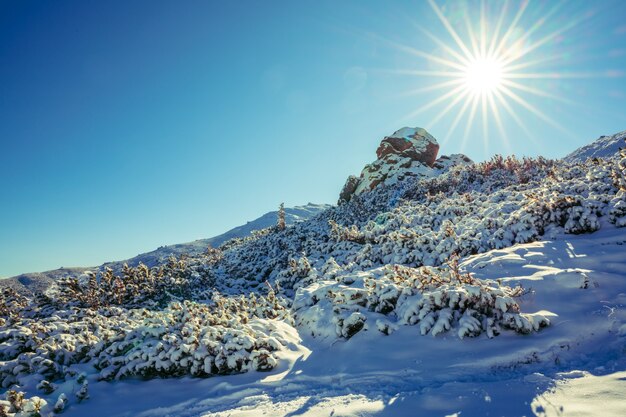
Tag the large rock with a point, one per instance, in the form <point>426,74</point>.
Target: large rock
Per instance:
<point>349,188</point>
<point>414,143</point>
<point>409,152</point>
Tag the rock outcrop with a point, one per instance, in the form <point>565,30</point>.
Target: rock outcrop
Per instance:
<point>408,152</point>
<point>414,143</point>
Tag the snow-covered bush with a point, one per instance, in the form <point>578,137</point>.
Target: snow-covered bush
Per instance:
<point>60,404</point>
<point>17,405</point>
<point>617,212</point>
<point>11,303</point>
<point>229,335</point>
<point>139,286</point>
<point>436,300</point>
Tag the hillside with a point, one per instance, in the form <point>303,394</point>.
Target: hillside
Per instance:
<point>435,287</point>
<point>292,215</point>
<point>39,281</point>
<point>603,147</point>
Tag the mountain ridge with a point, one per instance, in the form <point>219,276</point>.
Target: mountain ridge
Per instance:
<point>603,147</point>
<point>37,281</point>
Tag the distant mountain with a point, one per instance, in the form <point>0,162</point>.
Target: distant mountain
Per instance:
<point>292,215</point>
<point>39,281</point>
<point>34,281</point>
<point>603,147</point>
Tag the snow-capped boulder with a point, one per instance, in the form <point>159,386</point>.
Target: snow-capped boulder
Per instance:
<point>408,152</point>
<point>414,143</point>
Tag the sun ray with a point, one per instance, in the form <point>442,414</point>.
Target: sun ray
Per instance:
<point>544,40</point>
<point>483,102</point>
<point>442,44</point>
<point>496,116</point>
<point>532,63</point>
<point>535,91</point>
<point>483,30</point>
<point>431,87</point>
<point>456,121</point>
<point>421,54</point>
<point>446,74</point>
<point>449,107</point>
<point>515,117</point>
<point>556,75</point>
<point>496,32</point>
<point>509,31</point>
<point>472,36</point>
<point>533,109</point>
<point>434,102</point>
<point>470,121</point>
<point>450,29</point>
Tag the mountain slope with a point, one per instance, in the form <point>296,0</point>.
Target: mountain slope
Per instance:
<point>473,290</point>
<point>406,374</point>
<point>37,281</point>
<point>603,147</point>
<point>292,215</point>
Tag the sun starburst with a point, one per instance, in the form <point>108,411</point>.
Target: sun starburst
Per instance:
<point>486,69</point>
<point>483,75</point>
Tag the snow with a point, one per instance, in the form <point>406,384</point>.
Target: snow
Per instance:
<point>580,393</point>
<point>603,147</point>
<point>575,367</point>
<point>37,281</point>
<point>292,215</point>
<point>409,133</point>
<point>492,289</point>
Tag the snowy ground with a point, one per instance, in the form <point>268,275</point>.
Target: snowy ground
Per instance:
<point>574,367</point>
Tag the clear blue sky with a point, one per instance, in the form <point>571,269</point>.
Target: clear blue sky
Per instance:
<point>126,125</point>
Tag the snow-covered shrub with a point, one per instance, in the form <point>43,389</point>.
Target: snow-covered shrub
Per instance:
<point>16,405</point>
<point>437,300</point>
<point>341,233</point>
<point>11,303</point>
<point>83,392</point>
<point>617,211</point>
<point>60,404</point>
<point>229,335</point>
<point>139,286</point>
<point>619,173</point>
<point>46,387</point>
<point>190,339</point>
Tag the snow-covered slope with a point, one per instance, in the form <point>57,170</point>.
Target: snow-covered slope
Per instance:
<point>602,147</point>
<point>487,289</point>
<point>292,216</point>
<point>557,372</point>
<point>37,281</point>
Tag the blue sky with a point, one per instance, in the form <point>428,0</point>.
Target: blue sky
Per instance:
<point>126,125</point>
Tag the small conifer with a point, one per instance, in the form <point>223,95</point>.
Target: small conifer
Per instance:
<point>280,225</point>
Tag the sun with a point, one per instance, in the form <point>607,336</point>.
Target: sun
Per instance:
<point>483,75</point>
<point>485,67</point>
